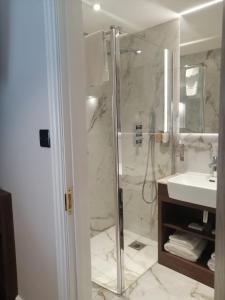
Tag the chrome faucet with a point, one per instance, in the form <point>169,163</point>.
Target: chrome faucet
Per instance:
<point>213,166</point>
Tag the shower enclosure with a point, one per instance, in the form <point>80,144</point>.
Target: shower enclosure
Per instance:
<point>130,142</point>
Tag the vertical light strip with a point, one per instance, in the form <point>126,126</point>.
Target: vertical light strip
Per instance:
<point>199,7</point>
<point>166,89</point>
<point>182,113</point>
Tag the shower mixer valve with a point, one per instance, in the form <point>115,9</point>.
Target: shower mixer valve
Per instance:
<point>138,134</point>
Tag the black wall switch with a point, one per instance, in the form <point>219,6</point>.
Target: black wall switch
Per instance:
<point>44,136</point>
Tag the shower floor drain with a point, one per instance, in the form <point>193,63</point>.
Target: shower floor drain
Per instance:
<point>137,245</point>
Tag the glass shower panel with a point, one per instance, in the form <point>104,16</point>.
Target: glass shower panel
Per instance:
<point>101,179</point>
<point>145,150</point>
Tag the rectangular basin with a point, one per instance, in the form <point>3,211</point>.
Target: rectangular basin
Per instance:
<point>194,188</point>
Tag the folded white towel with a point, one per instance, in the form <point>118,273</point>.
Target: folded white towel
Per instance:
<point>211,264</point>
<point>191,255</point>
<point>96,59</point>
<point>185,240</point>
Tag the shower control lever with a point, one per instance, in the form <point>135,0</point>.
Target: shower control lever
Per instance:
<point>138,134</point>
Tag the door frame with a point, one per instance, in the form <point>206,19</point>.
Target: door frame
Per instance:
<point>220,208</point>
<point>66,87</point>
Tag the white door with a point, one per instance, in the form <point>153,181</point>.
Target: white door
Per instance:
<point>74,111</point>
<point>65,54</point>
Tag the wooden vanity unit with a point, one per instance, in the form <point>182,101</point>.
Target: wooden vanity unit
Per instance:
<point>8,275</point>
<point>175,216</point>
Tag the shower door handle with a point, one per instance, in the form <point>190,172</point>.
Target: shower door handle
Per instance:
<point>121,218</point>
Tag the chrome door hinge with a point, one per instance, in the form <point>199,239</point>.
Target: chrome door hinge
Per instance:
<point>69,201</point>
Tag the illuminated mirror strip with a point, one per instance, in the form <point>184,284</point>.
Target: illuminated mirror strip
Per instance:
<point>166,88</point>
<point>199,7</point>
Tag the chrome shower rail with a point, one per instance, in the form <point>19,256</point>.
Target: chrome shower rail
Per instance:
<point>115,50</point>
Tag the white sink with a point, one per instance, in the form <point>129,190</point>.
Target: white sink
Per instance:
<point>195,188</point>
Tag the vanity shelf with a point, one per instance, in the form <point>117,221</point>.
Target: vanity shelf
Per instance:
<point>8,273</point>
<point>183,227</point>
<point>197,270</point>
<point>175,216</point>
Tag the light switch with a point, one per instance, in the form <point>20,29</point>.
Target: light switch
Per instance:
<point>44,136</point>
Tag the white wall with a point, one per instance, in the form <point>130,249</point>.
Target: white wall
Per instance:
<point>25,168</point>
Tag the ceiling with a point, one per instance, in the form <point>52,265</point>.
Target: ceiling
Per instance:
<point>200,31</point>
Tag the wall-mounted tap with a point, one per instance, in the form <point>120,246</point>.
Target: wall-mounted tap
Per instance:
<point>139,129</point>
<point>213,166</point>
<point>138,134</point>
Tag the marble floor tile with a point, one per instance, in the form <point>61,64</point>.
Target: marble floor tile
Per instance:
<point>136,263</point>
<point>159,283</point>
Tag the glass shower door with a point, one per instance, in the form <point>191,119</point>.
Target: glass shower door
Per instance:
<point>145,147</point>
<point>101,177</point>
<point>129,148</point>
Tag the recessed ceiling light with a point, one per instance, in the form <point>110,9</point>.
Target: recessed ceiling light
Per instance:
<point>199,7</point>
<point>138,51</point>
<point>97,6</point>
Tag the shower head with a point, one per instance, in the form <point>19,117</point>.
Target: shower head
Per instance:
<point>130,50</point>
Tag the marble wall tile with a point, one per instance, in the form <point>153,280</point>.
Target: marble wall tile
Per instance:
<point>198,152</point>
<point>101,177</point>
<point>140,217</point>
<point>142,100</point>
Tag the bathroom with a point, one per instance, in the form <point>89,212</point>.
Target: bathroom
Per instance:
<point>153,88</point>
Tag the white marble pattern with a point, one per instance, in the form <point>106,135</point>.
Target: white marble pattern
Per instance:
<point>140,217</point>
<point>141,94</point>
<point>198,152</point>
<point>101,177</point>
<point>142,91</point>
<point>159,283</point>
<point>136,263</point>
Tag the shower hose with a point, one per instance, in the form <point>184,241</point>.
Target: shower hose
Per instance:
<point>150,163</point>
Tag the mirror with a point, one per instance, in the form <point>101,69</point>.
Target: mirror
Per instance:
<point>200,67</point>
